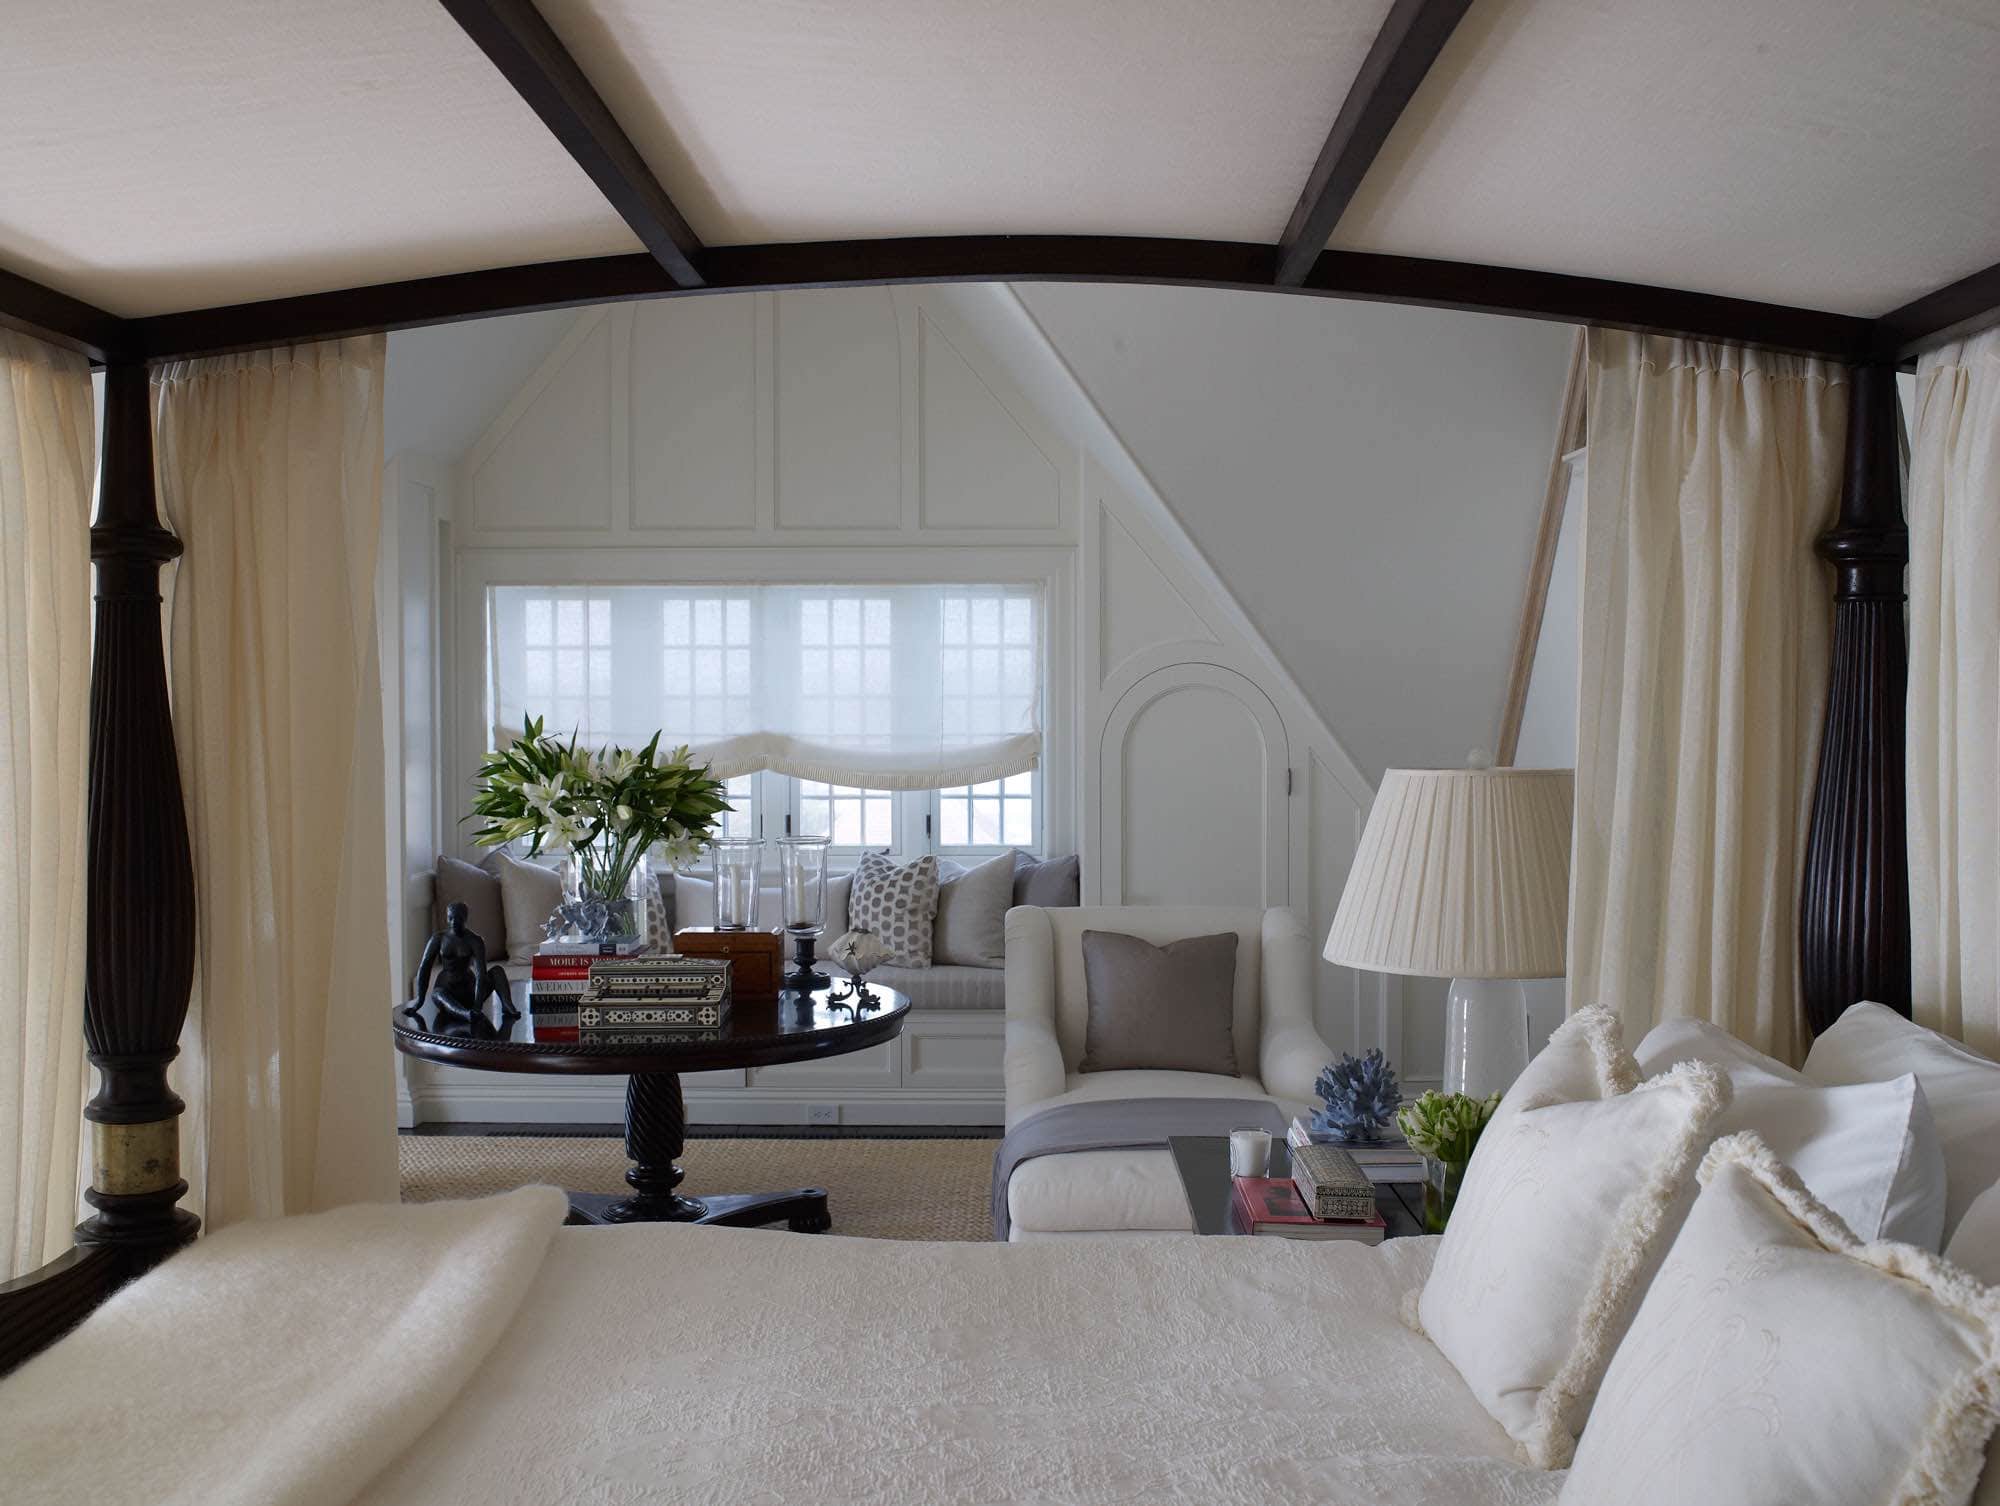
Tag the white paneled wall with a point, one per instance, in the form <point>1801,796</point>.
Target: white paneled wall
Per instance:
<point>912,434</point>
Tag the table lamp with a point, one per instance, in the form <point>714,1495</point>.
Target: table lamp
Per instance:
<point>1464,874</point>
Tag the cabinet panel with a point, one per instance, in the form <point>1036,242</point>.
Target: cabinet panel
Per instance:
<point>877,1067</point>
<point>954,1053</point>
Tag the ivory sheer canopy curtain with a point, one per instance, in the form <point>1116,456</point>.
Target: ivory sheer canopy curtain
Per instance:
<point>882,686</point>
<point>271,474</point>
<point>1705,626</point>
<point>47,464</point>
<point>1954,707</point>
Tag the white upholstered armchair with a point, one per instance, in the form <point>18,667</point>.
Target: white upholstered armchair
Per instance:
<point>1279,1053</point>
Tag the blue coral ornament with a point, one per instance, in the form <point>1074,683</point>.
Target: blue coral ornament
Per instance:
<point>1359,1096</point>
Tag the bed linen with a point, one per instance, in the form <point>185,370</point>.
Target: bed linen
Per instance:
<point>279,1362</point>
<point>751,1367</point>
<point>475,1353</point>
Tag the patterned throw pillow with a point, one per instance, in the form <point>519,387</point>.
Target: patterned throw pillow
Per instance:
<point>897,904</point>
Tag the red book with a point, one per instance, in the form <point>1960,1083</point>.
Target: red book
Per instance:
<point>561,967</point>
<point>1272,1205</point>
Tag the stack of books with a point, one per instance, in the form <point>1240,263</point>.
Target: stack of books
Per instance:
<point>1387,1160</point>
<point>1273,1205</point>
<point>558,977</point>
<point>652,999</point>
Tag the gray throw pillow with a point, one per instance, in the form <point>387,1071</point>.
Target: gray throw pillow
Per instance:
<point>479,892</point>
<point>971,925</point>
<point>897,904</point>
<point>1159,1008</point>
<point>1054,884</point>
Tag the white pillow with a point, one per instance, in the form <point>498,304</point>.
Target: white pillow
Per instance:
<point>1872,1043</point>
<point>529,894</point>
<point>1869,1151</point>
<point>1975,1243</point>
<point>1779,1359</point>
<point>1566,1210</point>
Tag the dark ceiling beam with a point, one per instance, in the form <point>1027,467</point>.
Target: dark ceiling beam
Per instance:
<point>533,59</point>
<point>401,305</point>
<point>1402,53</point>
<point>1952,312</point>
<point>60,319</point>
<point>1370,277</point>
<point>1211,264</point>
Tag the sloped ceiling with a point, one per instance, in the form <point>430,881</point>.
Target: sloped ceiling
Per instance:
<point>442,386</point>
<point>1366,480</point>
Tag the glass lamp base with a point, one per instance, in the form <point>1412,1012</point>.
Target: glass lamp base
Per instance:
<point>1485,1035</point>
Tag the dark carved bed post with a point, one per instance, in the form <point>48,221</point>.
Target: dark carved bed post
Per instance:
<point>139,952</point>
<point>1854,908</point>
<point>139,962</point>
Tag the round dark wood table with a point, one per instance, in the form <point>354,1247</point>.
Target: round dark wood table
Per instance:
<point>794,1027</point>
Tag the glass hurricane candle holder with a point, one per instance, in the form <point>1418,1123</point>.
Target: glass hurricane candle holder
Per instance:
<point>802,892</point>
<point>735,865</point>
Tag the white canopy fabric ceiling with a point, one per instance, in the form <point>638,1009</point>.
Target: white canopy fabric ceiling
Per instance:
<point>1832,154</point>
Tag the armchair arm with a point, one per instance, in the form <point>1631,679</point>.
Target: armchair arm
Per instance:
<point>1290,1051</point>
<point>1032,1067</point>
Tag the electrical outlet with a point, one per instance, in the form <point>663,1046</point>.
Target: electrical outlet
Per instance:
<point>822,1113</point>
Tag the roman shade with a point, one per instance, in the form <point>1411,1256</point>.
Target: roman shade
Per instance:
<point>898,687</point>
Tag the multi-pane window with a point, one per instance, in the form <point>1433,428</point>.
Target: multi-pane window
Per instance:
<point>852,817</point>
<point>988,652</point>
<point>846,668</point>
<point>824,678</point>
<point>706,666</point>
<point>566,658</point>
<point>998,813</point>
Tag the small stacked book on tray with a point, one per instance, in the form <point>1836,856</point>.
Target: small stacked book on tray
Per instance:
<point>1389,1159</point>
<point>1327,1196</point>
<point>602,993</point>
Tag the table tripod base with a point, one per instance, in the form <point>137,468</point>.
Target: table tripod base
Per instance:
<point>803,1209</point>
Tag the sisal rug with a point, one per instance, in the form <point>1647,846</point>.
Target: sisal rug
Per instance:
<point>879,1189</point>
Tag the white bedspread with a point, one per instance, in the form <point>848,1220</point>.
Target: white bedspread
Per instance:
<point>457,1353</point>
<point>730,1367</point>
<point>279,1363</point>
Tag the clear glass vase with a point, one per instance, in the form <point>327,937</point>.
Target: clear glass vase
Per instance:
<point>736,865</point>
<point>1441,1181</point>
<point>606,895</point>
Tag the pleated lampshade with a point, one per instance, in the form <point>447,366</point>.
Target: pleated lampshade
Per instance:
<point>1461,873</point>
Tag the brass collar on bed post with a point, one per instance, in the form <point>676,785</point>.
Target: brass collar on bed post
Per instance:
<point>139,951</point>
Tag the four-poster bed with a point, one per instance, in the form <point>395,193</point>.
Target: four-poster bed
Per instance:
<point>1854,903</point>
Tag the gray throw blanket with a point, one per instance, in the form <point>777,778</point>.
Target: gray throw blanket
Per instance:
<point>1120,1124</point>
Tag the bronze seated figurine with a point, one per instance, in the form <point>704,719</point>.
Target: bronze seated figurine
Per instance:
<point>455,981</point>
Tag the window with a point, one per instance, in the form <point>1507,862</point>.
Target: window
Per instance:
<point>988,664</point>
<point>783,688</point>
<point>566,657</point>
<point>706,651</point>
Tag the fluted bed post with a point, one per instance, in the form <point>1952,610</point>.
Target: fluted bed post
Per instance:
<point>139,960</point>
<point>1854,908</point>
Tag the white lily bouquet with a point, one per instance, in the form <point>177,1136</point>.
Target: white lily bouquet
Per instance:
<point>602,812</point>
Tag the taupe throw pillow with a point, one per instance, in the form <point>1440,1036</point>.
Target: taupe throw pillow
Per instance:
<point>1159,1008</point>
<point>971,925</point>
<point>479,892</point>
<point>1051,883</point>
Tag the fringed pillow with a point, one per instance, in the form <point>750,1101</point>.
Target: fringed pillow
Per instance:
<point>1567,1208</point>
<point>1778,1358</point>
